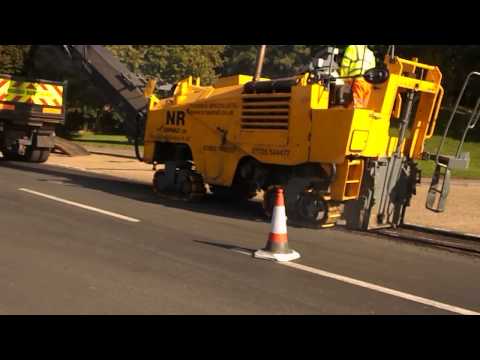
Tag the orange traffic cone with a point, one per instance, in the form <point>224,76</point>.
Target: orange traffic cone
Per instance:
<point>277,246</point>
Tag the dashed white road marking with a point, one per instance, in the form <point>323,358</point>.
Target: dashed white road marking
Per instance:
<point>370,286</point>
<point>82,206</point>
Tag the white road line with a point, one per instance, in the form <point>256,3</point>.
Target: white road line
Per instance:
<point>399,294</point>
<point>86,207</point>
<point>249,253</point>
<point>384,290</point>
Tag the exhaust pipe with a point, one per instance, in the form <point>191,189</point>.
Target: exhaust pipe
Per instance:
<point>260,61</point>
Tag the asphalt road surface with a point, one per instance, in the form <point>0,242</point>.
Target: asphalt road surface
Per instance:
<point>80,243</point>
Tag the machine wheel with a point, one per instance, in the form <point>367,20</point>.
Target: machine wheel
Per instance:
<point>160,183</point>
<point>305,206</point>
<point>190,185</point>
<point>269,201</point>
<point>245,192</point>
<point>312,208</point>
<point>317,210</point>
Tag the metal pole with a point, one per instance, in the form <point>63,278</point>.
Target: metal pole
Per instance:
<point>383,208</point>
<point>391,52</point>
<point>405,121</point>
<point>260,61</point>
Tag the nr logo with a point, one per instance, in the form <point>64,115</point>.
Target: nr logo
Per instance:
<point>176,118</point>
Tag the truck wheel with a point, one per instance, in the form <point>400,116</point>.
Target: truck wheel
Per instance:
<point>37,155</point>
<point>44,156</point>
<point>10,156</point>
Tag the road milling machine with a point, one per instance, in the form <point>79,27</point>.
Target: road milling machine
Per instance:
<point>246,134</point>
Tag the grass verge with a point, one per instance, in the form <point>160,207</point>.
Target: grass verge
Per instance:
<point>450,147</point>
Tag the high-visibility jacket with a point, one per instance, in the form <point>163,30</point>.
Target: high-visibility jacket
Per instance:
<point>357,60</point>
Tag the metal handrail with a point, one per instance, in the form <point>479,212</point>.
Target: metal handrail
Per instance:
<point>460,97</point>
<point>475,116</point>
<point>435,114</point>
<point>416,64</point>
<point>471,124</point>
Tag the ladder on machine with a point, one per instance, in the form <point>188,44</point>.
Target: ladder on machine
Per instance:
<point>440,186</point>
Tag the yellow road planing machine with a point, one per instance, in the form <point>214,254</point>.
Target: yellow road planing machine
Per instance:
<point>247,134</point>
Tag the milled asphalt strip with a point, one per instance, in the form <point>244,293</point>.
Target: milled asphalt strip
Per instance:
<point>82,206</point>
<point>366,285</point>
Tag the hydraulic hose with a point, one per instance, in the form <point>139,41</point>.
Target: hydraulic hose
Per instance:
<point>138,134</point>
<point>333,175</point>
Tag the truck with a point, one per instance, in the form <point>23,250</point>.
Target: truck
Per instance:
<point>30,109</point>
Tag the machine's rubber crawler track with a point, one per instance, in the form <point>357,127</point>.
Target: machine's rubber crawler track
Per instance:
<point>332,211</point>
<point>191,186</point>
<point>331,216</point>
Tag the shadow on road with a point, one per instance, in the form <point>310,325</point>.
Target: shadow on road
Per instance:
<point>226,247</point>
<point>247,210</point>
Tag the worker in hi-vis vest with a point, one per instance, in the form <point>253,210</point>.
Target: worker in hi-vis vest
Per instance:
<point>356,61</point>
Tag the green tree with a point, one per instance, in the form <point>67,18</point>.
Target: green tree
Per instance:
<point>280,60</point>
<point>131,55</point>
<point>239,59</point>
<point>454,61</point>
<point>171,63</point>
<point>12,58</point>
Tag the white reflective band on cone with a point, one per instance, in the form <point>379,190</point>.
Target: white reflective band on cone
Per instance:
<point>279,220</point>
